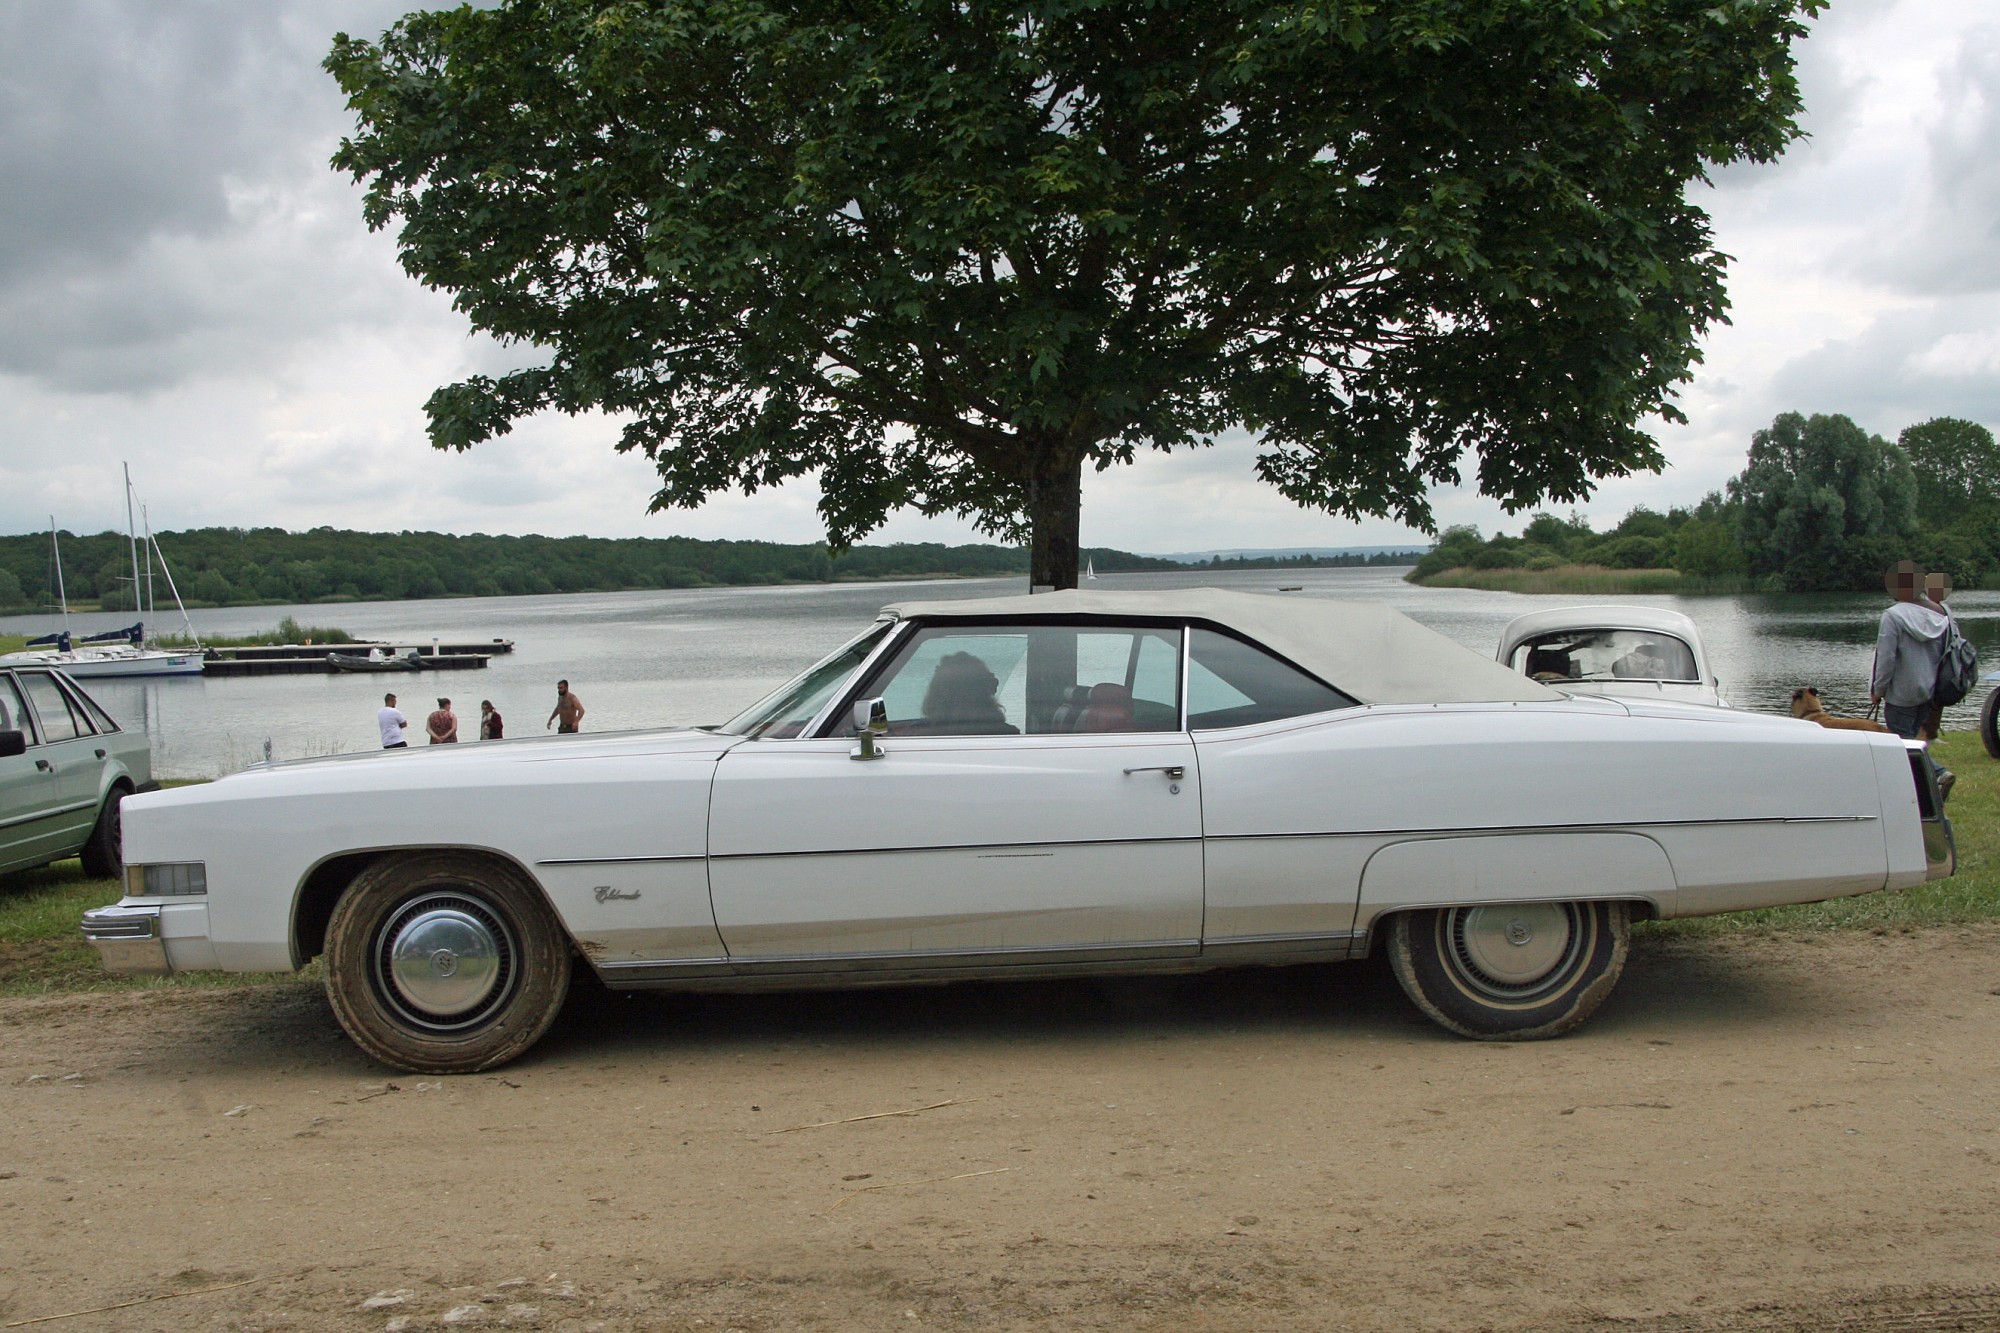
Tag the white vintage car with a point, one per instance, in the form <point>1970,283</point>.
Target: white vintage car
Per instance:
<point>1631,652</point>
<point>1069,784</point>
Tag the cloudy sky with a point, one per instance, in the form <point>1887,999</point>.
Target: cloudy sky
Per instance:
<point>187,287</point>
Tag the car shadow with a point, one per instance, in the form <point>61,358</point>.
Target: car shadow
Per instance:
<point>1359,997</point>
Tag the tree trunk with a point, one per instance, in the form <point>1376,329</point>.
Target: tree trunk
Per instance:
<point>1055,516</point>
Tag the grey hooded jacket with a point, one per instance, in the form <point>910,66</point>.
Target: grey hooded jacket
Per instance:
<point>1907,652</point>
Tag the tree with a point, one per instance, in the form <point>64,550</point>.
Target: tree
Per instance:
<point>1957,467</point>
<point>1706,548</point>
<point>948,255</point>
<point>1824,504</point>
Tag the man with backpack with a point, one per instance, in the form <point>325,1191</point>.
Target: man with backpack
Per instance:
<point>1910,650</point>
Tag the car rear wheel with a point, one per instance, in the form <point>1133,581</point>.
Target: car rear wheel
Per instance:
<point>1989,723</point>
<point>1510,972</point>
<point>444,963</point>
<point>103,856</point>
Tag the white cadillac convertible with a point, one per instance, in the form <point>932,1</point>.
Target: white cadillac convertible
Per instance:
<point>1070,784</point>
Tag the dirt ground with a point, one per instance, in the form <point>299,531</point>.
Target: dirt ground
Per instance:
<point>1791,1133</point>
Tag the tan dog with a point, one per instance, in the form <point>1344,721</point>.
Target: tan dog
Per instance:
<point>1806,705</point>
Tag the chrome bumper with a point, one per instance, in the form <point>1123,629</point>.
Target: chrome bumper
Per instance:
<point>128,940</point>
<point>1940,848</point>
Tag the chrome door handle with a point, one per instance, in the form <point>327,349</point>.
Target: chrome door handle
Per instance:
<point>1174,771</point>
<point>43,764</point>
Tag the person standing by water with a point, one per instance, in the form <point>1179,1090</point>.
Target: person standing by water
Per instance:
<point>490,725</point>
<point>442,724</point>
<point>568,711</point>
<point>1937,587</point>
<point>390,720</point>
<point>1907,648</point>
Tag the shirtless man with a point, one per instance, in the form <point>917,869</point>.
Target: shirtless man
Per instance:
<point>569,711</point>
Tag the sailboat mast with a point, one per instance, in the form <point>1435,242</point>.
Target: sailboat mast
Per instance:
<point>55,553</point>
<point>146,523</point>
<point>132,534</point>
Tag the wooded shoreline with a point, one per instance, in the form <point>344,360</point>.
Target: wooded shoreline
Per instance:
<point>273,567</point>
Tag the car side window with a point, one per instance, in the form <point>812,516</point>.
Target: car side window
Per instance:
<point>52,708</point>
<point>1232,684</point>
<point>1036,680</point>
<point>98,717</point>
<point>13,713</point>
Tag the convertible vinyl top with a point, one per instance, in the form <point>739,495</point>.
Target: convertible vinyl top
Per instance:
<point>1369,651</point>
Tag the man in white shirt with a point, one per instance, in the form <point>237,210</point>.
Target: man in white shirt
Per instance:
<point>393,724</point>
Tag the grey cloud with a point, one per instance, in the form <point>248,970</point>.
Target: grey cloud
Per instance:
<point>159,159</point>
<point>1955,246</point>
<point>1907,366</point>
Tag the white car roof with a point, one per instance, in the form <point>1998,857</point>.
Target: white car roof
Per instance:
<point>1371,652</point>
<point>1654,619</point>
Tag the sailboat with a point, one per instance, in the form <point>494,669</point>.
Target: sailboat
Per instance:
<point>116,652</point>
<point>1090,570</point>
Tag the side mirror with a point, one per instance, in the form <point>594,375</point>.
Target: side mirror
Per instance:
<point>13,743</point>
<point>871,719</point>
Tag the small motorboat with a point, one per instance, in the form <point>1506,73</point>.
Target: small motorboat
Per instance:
<point>375,660</point>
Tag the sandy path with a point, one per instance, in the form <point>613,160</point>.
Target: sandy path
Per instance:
<point>1801,1132</point>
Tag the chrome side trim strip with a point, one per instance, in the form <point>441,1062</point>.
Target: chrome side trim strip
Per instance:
<point>1333,944</point>
<point>618,860</point>
<point>982,848</point>
<point>1481,830</point>
<point>927,963</point>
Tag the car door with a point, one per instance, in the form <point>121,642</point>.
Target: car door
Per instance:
<point>1035,800</point>
<point>48,795</point>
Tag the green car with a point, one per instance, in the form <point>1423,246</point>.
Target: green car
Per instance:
<point>64,768</point>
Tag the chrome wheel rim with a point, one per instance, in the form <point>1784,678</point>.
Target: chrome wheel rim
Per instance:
<point>1514,952</point>
<point>445,962</point>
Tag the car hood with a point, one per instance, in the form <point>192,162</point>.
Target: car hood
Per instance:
<point>445,764</point>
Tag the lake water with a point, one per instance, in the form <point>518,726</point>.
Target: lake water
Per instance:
<point>672,658</point>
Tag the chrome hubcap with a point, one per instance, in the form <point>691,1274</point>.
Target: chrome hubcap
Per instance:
<point>445,961</point>
<point>1510,949</point>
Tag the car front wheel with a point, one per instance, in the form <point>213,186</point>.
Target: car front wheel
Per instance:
<point>443,963</point>
<point>1510,972</point>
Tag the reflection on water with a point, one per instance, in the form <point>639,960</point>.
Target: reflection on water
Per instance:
<point>672,658</point>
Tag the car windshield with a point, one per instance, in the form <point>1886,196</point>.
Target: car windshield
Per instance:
<point>1606,654</point>
<point>784,712</point>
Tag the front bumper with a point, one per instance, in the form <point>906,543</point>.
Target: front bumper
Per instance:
<point>128,939</point>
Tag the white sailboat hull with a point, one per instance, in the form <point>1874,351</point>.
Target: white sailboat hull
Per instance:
<point>88,664</point>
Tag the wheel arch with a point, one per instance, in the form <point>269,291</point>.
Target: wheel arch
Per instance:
<point>1479,869</point>
<point>321,888</point>
<point>1368,943</point>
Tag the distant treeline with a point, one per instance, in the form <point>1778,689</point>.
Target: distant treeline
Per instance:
<point>236,566</point>
<point>1820,506</point>
<point>1346,560</point>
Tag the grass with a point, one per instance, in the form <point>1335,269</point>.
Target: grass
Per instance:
<point>13,643</point>
<point>288,631</point>
<point>41,951</point>
<point>1571,580</point>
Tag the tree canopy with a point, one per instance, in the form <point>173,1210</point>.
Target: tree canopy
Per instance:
<point>946,256</point>
<point>1824,503</point>
<point>1958,470</point>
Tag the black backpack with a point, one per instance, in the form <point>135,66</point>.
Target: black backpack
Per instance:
<point>1958,668</point>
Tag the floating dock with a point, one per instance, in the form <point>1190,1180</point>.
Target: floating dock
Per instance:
<point>309,659</point>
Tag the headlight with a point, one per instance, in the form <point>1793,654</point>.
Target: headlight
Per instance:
<point>170,880</point>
